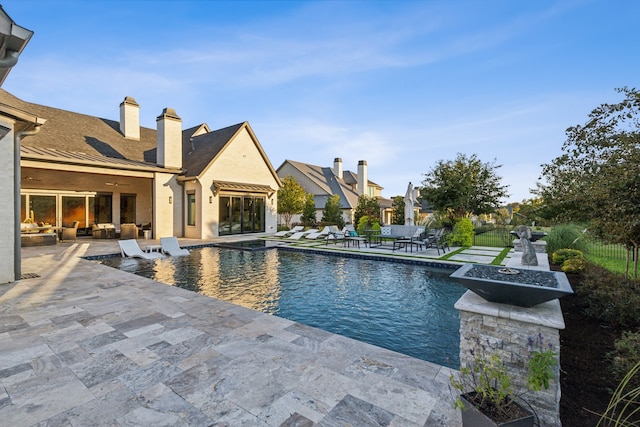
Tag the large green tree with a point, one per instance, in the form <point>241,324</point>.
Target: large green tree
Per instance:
<point>332,214</point>
<point>309,211</point>
<point>367,206</point>
<point>291,199</point>
<point>597,179</point>
<point>397,206</point>
<point>463,186</point>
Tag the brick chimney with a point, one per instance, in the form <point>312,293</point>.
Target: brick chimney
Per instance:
<point>169,139</point>
<point>337,167</point>
<point>363,178</point>
<point>130,118</point>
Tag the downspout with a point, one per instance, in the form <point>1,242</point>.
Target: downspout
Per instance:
<point>16,197</point>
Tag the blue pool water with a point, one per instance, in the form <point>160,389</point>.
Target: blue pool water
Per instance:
<point>402,307</point>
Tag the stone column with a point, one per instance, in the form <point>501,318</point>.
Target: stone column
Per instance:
<point>506,330</point>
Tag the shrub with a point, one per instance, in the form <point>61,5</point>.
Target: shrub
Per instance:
<point>561,255</point>
<point>574,265</point>
<point>626,356</point>
<point>564,236</point>
<point>610,297</point>
<point>462,233</point>
<point>367,223</point>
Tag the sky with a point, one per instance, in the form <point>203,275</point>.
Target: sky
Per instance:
<point>400,84</point>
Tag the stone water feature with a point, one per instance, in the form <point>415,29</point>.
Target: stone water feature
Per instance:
<point>509,285</point>
<point>505,308</point>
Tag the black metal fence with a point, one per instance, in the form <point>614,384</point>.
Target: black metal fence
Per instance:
<point>501,239</point>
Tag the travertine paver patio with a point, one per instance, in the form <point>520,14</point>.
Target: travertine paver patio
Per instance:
<point>84,344</point>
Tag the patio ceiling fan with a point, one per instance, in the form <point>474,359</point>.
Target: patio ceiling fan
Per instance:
<point>29,178</point>
<point>115,184</point>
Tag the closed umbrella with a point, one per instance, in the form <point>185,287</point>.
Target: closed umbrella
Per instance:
<point>409,203</point>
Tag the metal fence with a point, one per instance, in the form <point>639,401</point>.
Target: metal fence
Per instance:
<point>501,239</point>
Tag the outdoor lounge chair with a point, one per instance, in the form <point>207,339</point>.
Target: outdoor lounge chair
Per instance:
<point>325,231</point>
<point>171,246</point>
<point>285,233</point>
<point>300,234</point>
<point>130,248</point>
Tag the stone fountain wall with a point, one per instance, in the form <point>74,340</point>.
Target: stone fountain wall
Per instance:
<point>506,330</point>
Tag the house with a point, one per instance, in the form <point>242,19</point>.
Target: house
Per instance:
<point>324,182</point>
<point>195,183</point>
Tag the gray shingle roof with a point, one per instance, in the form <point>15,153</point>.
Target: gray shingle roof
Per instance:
<point>79,138</point>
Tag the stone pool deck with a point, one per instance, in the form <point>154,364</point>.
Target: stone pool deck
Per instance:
<point>83,344</point>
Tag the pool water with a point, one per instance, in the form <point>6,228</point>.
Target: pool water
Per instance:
<point>402,307</point>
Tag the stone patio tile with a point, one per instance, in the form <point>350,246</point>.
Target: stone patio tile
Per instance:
<point>161,398</point>
<point>42,397</point>
<point>146,376</point>
<point>352,408</point>
<point>463,257</point>
<point>140,322</point>
<point>148,417</point>
<point>282,411</point>
<point>103,366</point>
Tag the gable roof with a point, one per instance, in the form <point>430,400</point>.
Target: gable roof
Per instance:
<point>69,137</point>
<point>199,152</point>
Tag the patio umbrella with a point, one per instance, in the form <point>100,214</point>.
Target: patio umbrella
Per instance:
<point>409,202</point>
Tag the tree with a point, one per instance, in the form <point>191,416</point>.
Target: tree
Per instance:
<point>596,178</point>
<point>367,206</point>
<point>309,211</point>
<point>291,198</point>
<point>332,214</point>
<point>463,186</point>
<point>397,205</point>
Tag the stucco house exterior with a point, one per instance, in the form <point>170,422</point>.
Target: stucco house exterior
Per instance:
<point>323,182</point>
<point>195,182</point>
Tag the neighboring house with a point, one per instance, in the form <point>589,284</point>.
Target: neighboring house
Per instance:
<point>193,183</point>
<point>323,182</point>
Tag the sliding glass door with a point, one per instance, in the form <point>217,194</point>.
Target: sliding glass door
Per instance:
<point>241,214</point>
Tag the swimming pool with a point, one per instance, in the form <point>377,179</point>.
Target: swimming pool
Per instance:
<point>402,307</point>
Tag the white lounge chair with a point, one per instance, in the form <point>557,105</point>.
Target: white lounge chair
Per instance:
<point>285,233</point>
<point>300,234</point>
<point>325,231</point>
<point>171,246</point>
<point>130,248</point>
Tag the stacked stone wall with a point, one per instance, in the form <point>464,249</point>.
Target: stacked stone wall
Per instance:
<point>510,339</point>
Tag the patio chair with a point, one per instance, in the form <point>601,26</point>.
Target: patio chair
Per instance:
<point>285,233</point>
<point>69,233</point>
<point>334,234</point>
<point>128,231</point>
<point>171,246</point>
<point>130,248</point>
<point>300,234</point>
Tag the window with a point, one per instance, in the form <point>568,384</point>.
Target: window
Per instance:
<point>191,209</point>
<point>102,211</point>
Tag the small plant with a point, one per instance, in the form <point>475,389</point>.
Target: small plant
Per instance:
<point>490,386</point>
<point>624,407</point>
<point>626,356</point>
<point>463,233</point>
<point>574,265</point>
<point>562,255</point>
<point>542,361</point>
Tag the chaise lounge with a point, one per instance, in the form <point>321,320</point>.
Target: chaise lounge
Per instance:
<point>129,248</point>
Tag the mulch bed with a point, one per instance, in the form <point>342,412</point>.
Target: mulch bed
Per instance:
<point>585,380</point>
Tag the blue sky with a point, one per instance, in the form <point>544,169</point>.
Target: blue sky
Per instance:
<point>400,84</point>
